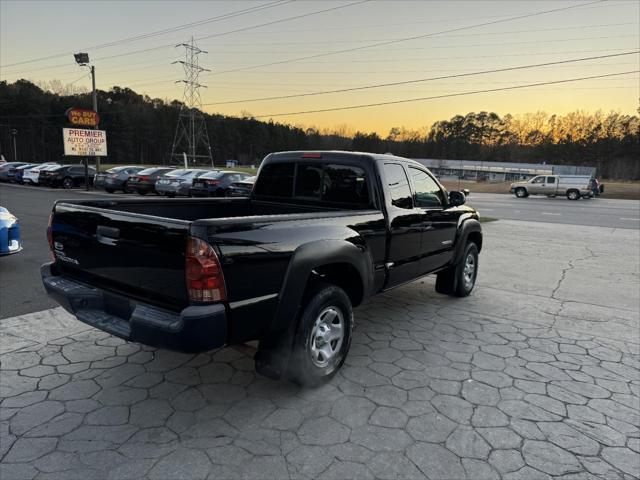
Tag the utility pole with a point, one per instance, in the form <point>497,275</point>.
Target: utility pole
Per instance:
<point>94,101</point>
<point>14,133</point>
<point>191,135</point>
<point>82,59</point>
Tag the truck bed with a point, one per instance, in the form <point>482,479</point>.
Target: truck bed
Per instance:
<point>136,247</point>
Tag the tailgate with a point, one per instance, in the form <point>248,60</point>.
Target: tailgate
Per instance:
<point>133,255</point>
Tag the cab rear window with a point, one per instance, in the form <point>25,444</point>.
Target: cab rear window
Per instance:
<point>330,183</point>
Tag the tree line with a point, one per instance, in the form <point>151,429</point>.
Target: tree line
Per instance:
<point>140,129</point>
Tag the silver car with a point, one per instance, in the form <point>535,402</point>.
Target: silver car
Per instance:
<point>178,182</point>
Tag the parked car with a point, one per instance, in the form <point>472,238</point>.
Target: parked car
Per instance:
<point>321,232</point>
<point>116,178</point>
<point>215,184</point>
<point>145,180</point>
<point>242,188</point>
<point>8,170</point>
<point>9,233</point>
<point>178,182</point>
<point>17,176</point>
<point>32,176</point>
<point>66,176</point>
<point>573,187</point>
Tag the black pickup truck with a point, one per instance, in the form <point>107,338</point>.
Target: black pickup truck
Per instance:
<point>320,233</point>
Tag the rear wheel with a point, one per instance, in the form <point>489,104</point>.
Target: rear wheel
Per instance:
<point>125,188</point>
<point>142,192</point>
<point>459,280</point>
<point>67,183</point>
<point>521,192</point>
<point>323,338</point>
<point>109,190</point>
<point>573,195</point>
<point>170,195</point>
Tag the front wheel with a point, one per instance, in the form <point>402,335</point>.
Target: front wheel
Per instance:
<point>324,336</point>
<point>521,192</point>
<point>459,280</point>
<point>67,183</point>
<point>109,190</point>
<point>573,195</point>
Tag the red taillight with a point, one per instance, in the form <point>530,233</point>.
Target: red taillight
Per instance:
<point>50,235</point>
<point>205,281</point>
<point>143,177</point>
<point>311,155</point>
<point>212,182</point>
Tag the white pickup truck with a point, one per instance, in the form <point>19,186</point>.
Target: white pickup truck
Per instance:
<point>573,187</point>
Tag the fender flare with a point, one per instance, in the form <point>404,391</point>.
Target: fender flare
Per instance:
<point>304,260</point>
<point>466,227</point>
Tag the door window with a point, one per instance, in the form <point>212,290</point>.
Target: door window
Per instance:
<point>427,193</point>
<point>538,180</point>
<point>398,186</point>
<point>551,179</point>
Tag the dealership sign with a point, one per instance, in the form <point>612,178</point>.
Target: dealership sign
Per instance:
<point>83,118</point>
<point>84,143</point>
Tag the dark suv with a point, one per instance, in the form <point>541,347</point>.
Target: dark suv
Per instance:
<point>145,180</point>
<point>66,176</point>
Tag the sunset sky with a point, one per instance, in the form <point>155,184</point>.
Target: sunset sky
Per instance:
<point>238,48</point>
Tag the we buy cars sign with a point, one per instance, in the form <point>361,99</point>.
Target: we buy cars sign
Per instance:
<point>84,143</point>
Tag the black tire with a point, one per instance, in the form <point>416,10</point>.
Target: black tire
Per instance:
<point>170,195</point>
<point>310,365</point>
<point>521,192</point>
<point>573,195</point>
<point>142,192</point>
<point>455,281</point>
<point>125,188</point>
<point>109,190</point>
<point>67,183</point>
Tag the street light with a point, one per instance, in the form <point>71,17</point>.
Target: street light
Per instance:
<point>82,59</point>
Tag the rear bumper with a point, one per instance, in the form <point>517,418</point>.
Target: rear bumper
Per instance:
<point>194,329</point>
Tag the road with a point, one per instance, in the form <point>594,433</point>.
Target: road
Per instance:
<point>598,212</point>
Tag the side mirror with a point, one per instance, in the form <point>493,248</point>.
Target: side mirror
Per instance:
<point>457,198</point>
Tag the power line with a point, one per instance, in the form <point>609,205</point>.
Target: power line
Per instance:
<point>225,16</point>
<point>419,99</point>
<point>406,39</point>
<point>229,32</point>
<point>360,40</point>
<point>420,80</point>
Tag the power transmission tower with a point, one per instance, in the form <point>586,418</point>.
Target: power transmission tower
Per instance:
<point>191,135</point>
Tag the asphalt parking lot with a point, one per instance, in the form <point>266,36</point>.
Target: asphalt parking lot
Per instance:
<point>536,375</point>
